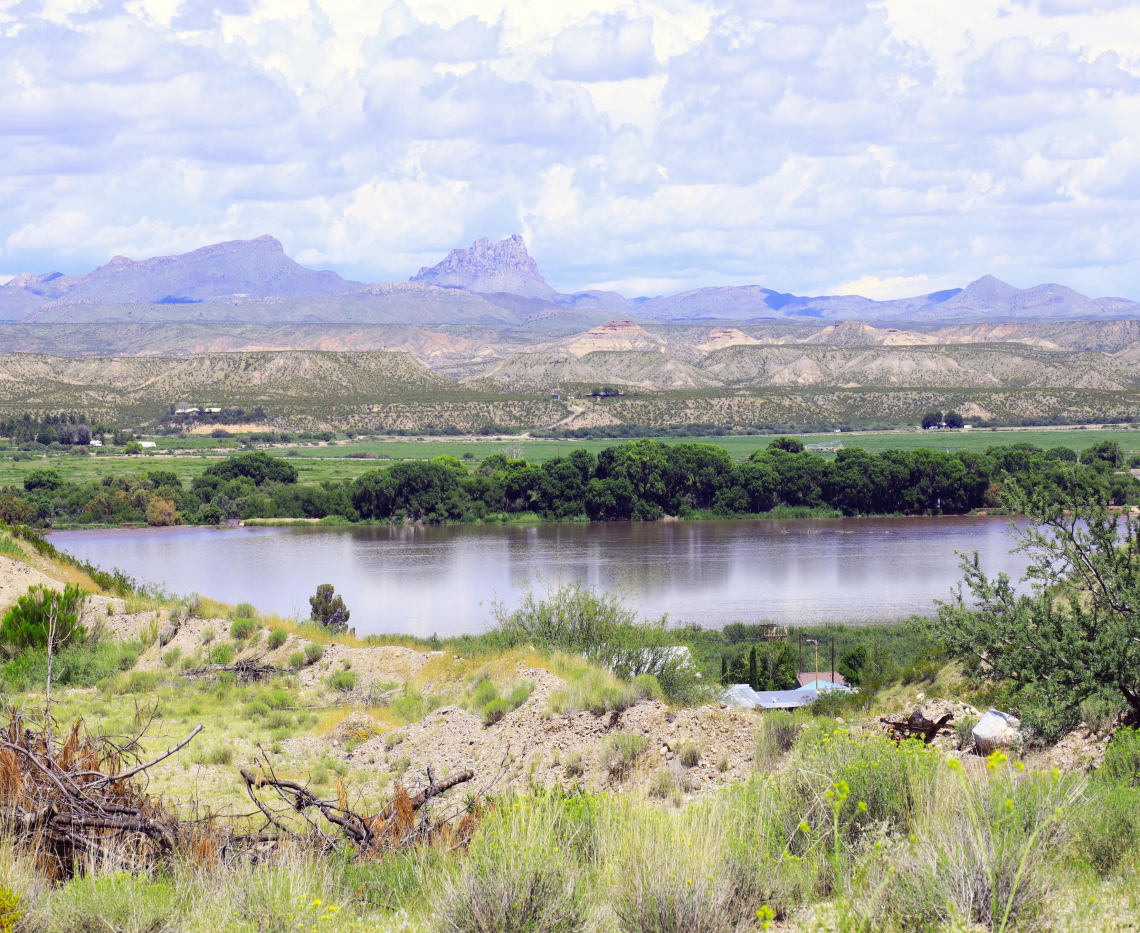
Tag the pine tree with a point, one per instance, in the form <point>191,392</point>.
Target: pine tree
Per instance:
<point>723,669</point>
<point>753,677</point>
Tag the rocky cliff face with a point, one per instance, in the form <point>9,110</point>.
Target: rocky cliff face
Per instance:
<point>489,267</point>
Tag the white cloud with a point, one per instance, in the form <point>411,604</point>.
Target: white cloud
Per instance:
<point>882,144</point>
<point>871,286</point>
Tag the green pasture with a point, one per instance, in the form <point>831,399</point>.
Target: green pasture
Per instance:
<point>324,462</point>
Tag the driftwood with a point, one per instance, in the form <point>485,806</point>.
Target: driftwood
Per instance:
<point>916,725</point>
<point>392,829</point>
<point>82,802</point>
<point>247,671</point>
<point>75,801</point>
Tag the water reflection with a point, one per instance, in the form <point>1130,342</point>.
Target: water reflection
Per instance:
<point>443,579</point>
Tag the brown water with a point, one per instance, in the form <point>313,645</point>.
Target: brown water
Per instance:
<point>444,578</point>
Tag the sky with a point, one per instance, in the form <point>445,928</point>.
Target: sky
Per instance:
<point>812,146</point>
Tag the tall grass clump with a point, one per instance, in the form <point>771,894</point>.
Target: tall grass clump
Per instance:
<point>775,738</point>
<point>517,875</point>
<point>979,857</point>
<point>1122,759</point>
<point>666,870</point>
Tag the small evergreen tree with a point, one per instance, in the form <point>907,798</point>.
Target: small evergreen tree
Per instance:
<point>753,678</point>
<point>329,610</point>
<point>27,624</point>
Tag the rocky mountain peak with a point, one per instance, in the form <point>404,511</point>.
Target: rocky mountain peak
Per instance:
<point>488,267</point>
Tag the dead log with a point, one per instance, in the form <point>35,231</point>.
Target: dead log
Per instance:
<point>916,725</point>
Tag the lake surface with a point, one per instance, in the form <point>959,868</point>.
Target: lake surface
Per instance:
<point>444,578</point>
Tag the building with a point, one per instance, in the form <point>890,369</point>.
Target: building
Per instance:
<point>147,444</point>
<point>825,679</point>
<point>96,443</point>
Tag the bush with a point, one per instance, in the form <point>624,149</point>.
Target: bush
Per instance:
<point>1122,759</point>
<point>27,624</point>
<point>495,710</point>
<point>344,681</point>
<point>296,660</point>
<point>79,665</point>
<point>276,639</point>
<point>171,657</point>
<point>574,764</point>
<point>243,627</point>
<point>314,652</point>
<point>689,753</point>
<point>222,654</point>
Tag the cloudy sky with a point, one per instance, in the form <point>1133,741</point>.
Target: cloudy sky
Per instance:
<point>811,146</point>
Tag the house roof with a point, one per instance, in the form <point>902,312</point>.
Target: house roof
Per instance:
<point>830,677</point>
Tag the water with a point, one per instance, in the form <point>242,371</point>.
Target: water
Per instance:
<point>444,578</point>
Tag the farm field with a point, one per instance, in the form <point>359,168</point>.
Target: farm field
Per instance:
<point>334,463</point>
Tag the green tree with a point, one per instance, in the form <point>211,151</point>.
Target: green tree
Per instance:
<point>753,673</point>
<point>329,610</point>
<point>953,419</point>
<point>1076,633</point>
<point>30,622</point>
<point>775,666</point>
<point>790,444</point>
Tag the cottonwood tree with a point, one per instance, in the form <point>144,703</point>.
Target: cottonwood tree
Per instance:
<point>1076,633</point>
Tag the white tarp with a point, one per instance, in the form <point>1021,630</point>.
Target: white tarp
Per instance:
<point>745,696</point>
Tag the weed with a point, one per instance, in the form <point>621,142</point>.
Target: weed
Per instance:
<point>575,765</point>
<point>392,739</point>
<point>314,652</point>
<point>689,752</point>
<point>620,751</point>
<point>297,660</point>
<point>343,681</point>
<point>276,639</point>
<point>1122,759</point>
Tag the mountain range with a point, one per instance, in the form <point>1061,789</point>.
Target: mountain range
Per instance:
<point>486,284</point>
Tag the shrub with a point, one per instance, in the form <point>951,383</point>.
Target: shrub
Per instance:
<point>242,628</point>
<point>296,660</point>
<point>485,692</point>
<point>1106,826</point>
<point>516,877</point>
<point>392,739</point>
<point>689,753</point>
<point>495,710</point>
<point>208,635</point>
<point>222,653</point>
<point>1122,759</point>
<point>245,611</point>
<point>620,751</point>
<point>314,652</point>
<point>276,639</point>
<point>27,624</point>
<point>344,681</point>
<point>170,658</point>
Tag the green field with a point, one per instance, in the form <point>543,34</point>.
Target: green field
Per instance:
<point>325,462</point>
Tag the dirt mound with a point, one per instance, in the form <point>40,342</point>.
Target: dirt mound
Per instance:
<point>526,748</point>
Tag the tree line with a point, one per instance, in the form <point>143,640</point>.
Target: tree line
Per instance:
<point>642,480</point>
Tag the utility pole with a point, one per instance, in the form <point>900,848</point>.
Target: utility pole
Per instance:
<point>800,662</point>
<point>815,641</point>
